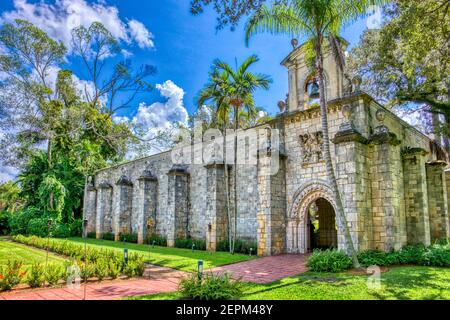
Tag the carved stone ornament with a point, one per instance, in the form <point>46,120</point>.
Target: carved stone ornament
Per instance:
<point>311,145</point>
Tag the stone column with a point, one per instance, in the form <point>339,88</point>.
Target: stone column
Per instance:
<point>177,205</point>
<point>352,166</point>
<point>103,207</point>
<point>387,189</point>
<point>147,206</point>
<point>271,215</point>
<point>216,210</point>
<point>416,196</point>
<point>437,200</point>
<point>90,207</point>
<point>124,207</point>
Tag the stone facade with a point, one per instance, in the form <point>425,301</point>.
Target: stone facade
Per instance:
<point>393,186</point>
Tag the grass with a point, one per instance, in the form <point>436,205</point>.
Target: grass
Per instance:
<point>181,259</point>
<point>400,283</point>
<point>11,250</point>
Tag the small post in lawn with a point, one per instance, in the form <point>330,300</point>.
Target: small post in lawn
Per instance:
<point>200,269</point>
<point>49,225</point>
<point>193,247</point>
<point>85,224</point>
<point>125,258</point>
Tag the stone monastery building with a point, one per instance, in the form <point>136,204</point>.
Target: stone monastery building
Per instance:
<point>392,179</point>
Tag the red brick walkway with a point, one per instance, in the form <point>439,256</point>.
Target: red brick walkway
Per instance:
<point>267,269</point>
<point>161,280</point>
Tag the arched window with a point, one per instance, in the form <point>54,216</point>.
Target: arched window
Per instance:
<point>312,92</point>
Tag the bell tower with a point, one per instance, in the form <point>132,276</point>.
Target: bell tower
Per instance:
<point>303,85</point>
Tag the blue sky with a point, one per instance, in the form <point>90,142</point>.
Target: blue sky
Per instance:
<point>164,34</point>
<point>185,47</point>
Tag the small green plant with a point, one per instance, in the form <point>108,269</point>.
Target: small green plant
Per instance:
<point>11,275</point>
<point>92,235</point>
<point>190,243</point>
<point>156,240</point>
<point>101,269</point>
<point>210,287</point>
<point>114,269</point>
<point>329,261</point>
<point>35,277</point>
<point>108,236</point>
<point>129,237</point>
<point>53,274</point>
<point>135,267</point>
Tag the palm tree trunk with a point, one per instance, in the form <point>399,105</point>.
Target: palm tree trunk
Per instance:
<point>327,154</point>
<point>236,127</point>
<point>50,167</point>
<point>227,189</point>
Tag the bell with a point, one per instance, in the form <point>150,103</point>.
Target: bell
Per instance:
<point>313,90</point>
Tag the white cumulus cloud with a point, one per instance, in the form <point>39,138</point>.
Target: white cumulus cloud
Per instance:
<point>61,16</point>
<point>159,116</point>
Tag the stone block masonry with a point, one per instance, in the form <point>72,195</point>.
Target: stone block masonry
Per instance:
<point>393,185</point>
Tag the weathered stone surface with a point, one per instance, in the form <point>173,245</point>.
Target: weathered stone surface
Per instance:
<point>393,189</point>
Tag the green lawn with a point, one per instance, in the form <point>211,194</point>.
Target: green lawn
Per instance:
<point>182,259</point>
<point>11,250</point>
<point>404,283</point>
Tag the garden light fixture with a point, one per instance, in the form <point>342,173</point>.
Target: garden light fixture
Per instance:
<point>200,269</point>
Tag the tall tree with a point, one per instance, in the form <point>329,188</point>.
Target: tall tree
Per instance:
<point>241,88</point>
<point>407,61</point>
<point>94,45</point>
<point>320,21</point>
<point>216,91</point>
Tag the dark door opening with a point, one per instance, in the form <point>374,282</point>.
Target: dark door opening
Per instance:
<point>322,225</point>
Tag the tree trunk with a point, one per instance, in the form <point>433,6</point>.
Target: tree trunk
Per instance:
<point>227,191</point>
<point>327,154</point>
<point>50,166</point>
<point>236,127</point>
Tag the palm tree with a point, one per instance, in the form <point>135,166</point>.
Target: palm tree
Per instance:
<point>320,21</point>
<point>241,87</point>
<point>216,92</point>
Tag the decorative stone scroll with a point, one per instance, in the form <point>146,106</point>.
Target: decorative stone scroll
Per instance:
<point>311,145</point>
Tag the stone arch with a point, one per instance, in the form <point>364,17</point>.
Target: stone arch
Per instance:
<point>303,86</point>
<point>296,232</point>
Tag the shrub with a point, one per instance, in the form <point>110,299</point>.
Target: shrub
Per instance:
<point>76,228</point>
<point>135,267</point>
<point>38,227</point>
<point>129,237</point>
<point>61,230</point>
<point>108,236</point>
<point>329,261</point>
<point>435,255</point>
<point>240,246</point>
<point>210,287</point>
<point>54,273</point>
<point>35,277</point>
<point>19,221</point>
<point>158,240</point>
<point>11,274</point>
<point>114,269</point>
<point>5,216</point>
<point>101,269</point>
<point>188,243</point>
<point>92,235</point>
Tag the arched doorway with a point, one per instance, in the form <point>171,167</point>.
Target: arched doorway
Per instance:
<point>322,227</point>
<point>313,205</point>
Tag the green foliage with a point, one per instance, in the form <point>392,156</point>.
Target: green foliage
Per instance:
<point>435,255</point>
<point>415,33</point>
<point>189,243</point>
<point>108,236</point>
<point>35,276</point>
<point>11,275</point>
<point>100,263</point>
<point>157,240</point>
<point>92,235</point>
<point>135,267</point>
<point>128,237</point>
<point>54,273</point>
<point>52,189</point>
<point>329,261</point>
<point>240,247</point>
<point>210,287</point>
